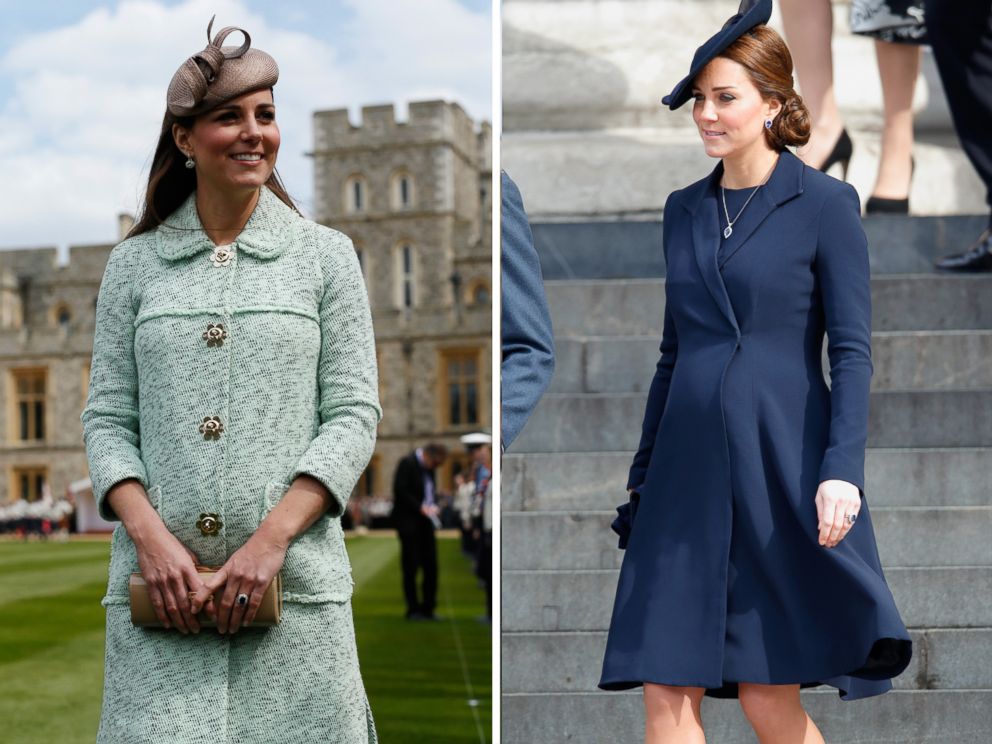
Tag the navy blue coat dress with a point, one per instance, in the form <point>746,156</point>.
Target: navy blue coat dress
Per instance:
<point>724,580</point>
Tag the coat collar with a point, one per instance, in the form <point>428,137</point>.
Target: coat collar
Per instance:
<point>265,235</point>
<point>785,183</point>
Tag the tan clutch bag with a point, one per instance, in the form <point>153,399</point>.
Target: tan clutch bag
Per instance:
<point>143,614</point>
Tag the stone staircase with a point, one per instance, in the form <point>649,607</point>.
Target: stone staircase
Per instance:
<point>928,483</point>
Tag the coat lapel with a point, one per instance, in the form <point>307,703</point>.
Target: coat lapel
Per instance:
<point>705,241</point>
<point>785,183</point>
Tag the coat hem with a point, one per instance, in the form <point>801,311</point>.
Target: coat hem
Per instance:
<point>886,659</point>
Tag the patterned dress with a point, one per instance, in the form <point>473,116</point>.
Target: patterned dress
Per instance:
<point>219,375</point>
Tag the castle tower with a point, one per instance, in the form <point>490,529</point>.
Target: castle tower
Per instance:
<point>414,196</point>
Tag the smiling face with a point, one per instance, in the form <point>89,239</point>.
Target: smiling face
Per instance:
<point>729,111</point>
<point>234,145</point>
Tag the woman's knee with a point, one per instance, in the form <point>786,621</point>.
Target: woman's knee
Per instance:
<point>765,702</point>
<point>671,699</point>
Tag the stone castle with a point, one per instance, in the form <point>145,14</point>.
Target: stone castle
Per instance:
<point>415,198</point>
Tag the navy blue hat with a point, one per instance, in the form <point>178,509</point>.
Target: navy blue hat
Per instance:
<point>751,13</point>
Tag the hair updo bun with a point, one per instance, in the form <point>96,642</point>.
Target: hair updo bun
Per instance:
<point>766,58</point>
<point>792,125</point>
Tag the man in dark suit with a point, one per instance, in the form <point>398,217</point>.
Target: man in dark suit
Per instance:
<point>415,517</point>
<point>528,359</point>
<point>961,38</point>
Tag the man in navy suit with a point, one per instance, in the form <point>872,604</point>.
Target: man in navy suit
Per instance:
<point>527,339</point>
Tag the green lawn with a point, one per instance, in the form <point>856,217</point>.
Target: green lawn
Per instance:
<point>422,678</point>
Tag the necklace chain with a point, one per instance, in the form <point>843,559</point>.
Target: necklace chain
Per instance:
<point>729,229</point>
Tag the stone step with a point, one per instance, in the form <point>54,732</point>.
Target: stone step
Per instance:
<point>582,481</point>
<point>943,659</point>
<point>958,597</point>
<point>906,535</point>
<point>635,307</point>
<point>903,360</point>
<point>897,717</point>
<point>612,422</point>
<point>624,173</point>
<point>629,249</point>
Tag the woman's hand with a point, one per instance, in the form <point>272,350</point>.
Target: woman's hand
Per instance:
<point>249,570</point>
<point>834,500</point>
<point>169,570</point>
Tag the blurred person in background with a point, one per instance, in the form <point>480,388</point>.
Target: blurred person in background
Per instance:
<point>415,516</point>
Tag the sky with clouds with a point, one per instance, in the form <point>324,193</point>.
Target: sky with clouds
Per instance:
<point>82,90</point>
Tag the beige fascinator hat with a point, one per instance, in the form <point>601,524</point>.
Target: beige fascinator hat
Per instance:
<point>219,73</point>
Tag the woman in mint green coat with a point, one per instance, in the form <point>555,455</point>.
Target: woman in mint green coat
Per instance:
<point>232,407</point>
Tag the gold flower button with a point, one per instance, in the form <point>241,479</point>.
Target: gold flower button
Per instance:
<point>215,334</point>
<point>211,428</point>
<point>209,523</point>
<point>222,255</point>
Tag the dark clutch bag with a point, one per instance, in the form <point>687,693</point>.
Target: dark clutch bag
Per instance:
<point>625,519</point>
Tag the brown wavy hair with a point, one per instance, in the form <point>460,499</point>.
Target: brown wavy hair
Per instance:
<point>765,56</point>
<point>170,181</point>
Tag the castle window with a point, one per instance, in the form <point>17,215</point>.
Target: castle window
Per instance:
<point>405,276</point>
<point>368,482</point>
<point>362,259</point>
<point>478,293</point>
<point>460,379</point>
<point>355,195</point>
<point>402,190</point>
<point>29,483</point>
<point>62,315</point>
<point>28,419</point>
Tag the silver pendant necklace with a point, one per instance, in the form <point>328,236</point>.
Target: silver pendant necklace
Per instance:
<point>729,229</point>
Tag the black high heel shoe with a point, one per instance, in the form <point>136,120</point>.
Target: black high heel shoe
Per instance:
<point>843,149</point>
<point>883,205</point>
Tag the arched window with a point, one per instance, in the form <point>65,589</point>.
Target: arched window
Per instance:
<point>477,293</point>
<point>356,195</point>
<point>363,264</point>
<point>401,187</point>
<point>405,276</point>
<point>61,315</point>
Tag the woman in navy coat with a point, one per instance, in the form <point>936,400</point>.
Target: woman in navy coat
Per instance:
<point>751,568</point>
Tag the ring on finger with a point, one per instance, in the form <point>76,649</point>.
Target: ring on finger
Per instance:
<point>242,600</point>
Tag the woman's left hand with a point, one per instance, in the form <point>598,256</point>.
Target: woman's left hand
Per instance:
<point>249,570</point>
<point>834,500</point>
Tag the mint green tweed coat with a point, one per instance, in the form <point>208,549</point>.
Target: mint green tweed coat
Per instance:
<point>218,376</point>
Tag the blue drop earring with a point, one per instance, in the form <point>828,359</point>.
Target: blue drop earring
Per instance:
<point>768,123</point>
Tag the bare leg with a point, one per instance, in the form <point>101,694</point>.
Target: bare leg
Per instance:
<point>776,714</point>
<point>898,66</point>
<point>671,714</point>
<point>809,26</point>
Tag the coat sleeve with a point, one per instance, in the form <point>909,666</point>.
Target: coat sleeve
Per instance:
<point>845,290</point>
<point>658,393</point>
<point>110,419</point>
<point>347,377</point>
<point>528,354</point>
